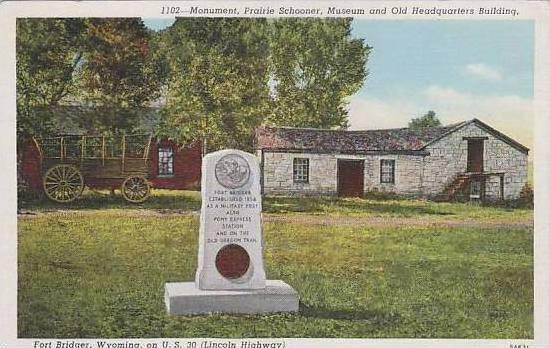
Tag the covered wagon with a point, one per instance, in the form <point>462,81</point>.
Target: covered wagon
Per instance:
<point>70,162</point>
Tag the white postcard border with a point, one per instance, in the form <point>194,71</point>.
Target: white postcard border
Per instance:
<point>539,11</point>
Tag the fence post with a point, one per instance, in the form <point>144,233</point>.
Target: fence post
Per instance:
<point>62,149</point>
<point>123,151</point>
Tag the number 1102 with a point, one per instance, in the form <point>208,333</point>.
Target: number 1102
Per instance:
<point>170,10</point>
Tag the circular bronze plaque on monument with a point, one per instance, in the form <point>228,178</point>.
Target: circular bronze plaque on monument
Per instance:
<point>232,171</point>
<point>232,261</point>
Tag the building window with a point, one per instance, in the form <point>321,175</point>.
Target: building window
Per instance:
<point>166,161</point>
<point>387,171</point>
<point>475,189</point>
<point>301,170</point>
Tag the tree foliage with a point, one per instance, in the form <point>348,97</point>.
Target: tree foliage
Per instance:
<point>219,78</point>
<point>49,53</point>
<point>230,75</point>
<point>218,88</point>
<point>427,120</point>
<point>316,66</point>
<point>96,62</point>
<point>121,73</point>
<point>119,68</point>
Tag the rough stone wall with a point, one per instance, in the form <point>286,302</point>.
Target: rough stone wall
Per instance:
<point>414,175</point>
<point>408,174</point>
<point>278,174</point>
<point>492,188</point>
<point>448,158</point>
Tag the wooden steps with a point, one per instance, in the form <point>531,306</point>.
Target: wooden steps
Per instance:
<point>454,189</point>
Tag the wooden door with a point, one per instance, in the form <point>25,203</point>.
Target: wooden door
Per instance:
<point>475,156</point>
<point>350,178</point>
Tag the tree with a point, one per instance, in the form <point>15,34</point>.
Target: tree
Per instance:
<point>49,52</point>
<point>99,62</point>
<point>218,87</point>
<point>229,75</point>
<point>121,72</point>
<point>316,66</point>
<point>427,120</point>
<point>119,67</point>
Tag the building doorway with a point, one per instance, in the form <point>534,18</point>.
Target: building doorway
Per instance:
<point>351,178</point>
<point>475,156</point>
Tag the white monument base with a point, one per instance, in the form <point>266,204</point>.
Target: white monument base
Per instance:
<point>186,298</point>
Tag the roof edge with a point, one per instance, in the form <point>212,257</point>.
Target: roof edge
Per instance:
<point>452,130</point>
<point>337,130</point>
<point>325,152</point>
<point>515,144</point>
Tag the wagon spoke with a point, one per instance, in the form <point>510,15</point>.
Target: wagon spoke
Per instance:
<point>63,183</point>
<point>53,190</point>
<point>135,189</point>
<point>54,174</point>
<point>72,175</point>
<point>76,179</point>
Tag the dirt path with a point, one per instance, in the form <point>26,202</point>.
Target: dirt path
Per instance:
<point>380,221</point>
<point>296,218</point>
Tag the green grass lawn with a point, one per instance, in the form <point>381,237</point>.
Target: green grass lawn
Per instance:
<point>170,201</point>
<point>100,271</point>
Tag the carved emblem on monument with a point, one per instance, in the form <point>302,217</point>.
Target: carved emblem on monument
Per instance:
<point>232,171</point>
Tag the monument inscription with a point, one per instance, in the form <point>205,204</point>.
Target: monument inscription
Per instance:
<point>230,275</point>
<point>230,240</point>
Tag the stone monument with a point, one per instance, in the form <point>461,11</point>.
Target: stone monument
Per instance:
<point>230,276</point>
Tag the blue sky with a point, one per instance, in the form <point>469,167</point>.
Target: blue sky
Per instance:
<point>459,69</point>
<point>408,55</point>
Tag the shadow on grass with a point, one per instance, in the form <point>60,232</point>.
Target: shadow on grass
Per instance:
<point>374,317</point>
<point>316,205</point>
<point>178,200</point>
<point>94,200</point>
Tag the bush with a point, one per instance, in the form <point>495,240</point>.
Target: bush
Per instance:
<point>526,196</point>
<point>524,201</point>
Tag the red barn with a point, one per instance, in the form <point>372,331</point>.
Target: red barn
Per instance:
<point>169,166</point>
<point>174,166</point>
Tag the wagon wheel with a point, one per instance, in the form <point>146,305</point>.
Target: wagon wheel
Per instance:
<point>136,189</point>
<point>63,183</point>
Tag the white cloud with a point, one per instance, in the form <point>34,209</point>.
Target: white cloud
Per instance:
<point>372,113</point>
<point>511,114</point>
<point>483,72</point>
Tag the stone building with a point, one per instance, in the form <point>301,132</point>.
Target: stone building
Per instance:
<point>467,160</point>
